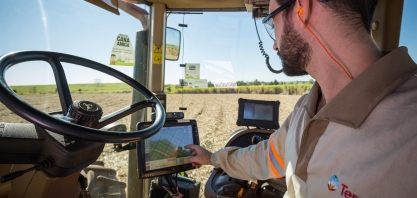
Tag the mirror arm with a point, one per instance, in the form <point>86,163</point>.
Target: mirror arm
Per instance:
<point>135,11</point>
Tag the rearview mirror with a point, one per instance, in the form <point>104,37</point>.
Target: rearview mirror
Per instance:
<point>172,44</point>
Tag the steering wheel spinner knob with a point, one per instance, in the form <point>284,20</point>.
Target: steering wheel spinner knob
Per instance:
<point>84,112</point>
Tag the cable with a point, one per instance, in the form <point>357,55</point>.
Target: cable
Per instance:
<point>264,53</point>
<point>176,180</point>
<point>182,62</point>
<point>300,13</point>
<point>183,42</point>
<point>29,183</point>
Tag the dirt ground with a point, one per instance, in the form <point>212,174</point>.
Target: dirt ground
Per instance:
<point>216,115</point>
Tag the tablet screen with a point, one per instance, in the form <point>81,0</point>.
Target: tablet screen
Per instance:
<point>254,111</point>
<point>164,152</point>
<point>166,148</point>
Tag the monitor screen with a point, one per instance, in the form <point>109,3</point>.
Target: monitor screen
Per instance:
<point>166,149</point>
<point>164,152</point>
<point>258,113</point>
<point>254,111</point>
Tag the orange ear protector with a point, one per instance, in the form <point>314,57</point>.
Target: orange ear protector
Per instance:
<point>300,13</point>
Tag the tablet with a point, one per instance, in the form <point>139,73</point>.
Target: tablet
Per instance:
<point>164,152</point>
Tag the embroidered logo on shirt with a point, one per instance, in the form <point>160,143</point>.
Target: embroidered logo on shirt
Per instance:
<point>333,183</point>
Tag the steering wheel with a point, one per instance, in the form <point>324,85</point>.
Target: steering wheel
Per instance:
<point>62,125</point>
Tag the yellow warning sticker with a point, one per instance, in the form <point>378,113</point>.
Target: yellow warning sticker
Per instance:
<point>157,55</point>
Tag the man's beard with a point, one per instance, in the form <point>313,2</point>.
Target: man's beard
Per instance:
<point>294,51</point>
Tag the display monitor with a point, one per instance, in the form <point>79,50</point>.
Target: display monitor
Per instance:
<point>258,113</point>
<point>164,152</point>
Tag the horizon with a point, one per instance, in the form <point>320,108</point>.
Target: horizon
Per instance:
<point>286,82</point>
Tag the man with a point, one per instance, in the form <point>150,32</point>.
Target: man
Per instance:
<point>355,133</point>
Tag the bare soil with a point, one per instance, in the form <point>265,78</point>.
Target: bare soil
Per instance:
<point>216,115</point>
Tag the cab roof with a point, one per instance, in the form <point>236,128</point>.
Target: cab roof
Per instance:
<point>200,5</point>
<point>385,29</point>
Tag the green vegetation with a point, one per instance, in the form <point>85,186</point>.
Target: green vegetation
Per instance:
<point>256,87</point>
<point>182,153</point>
<point>121,62</point>
<point>74,88</point>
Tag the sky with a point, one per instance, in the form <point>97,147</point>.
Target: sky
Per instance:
<point>224,44</point>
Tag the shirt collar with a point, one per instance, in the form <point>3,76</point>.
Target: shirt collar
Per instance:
<point>312,99</point>
<point>352,105</point>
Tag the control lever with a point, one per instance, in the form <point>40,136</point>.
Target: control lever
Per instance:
<point>47,163</point>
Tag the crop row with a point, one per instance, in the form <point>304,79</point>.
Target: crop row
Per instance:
<point>287,89</point>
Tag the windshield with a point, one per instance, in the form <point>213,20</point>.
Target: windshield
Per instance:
<point>77,28</point>
<point>220,50</point>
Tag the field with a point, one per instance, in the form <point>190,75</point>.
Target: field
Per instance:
<point>74,88</point>
<point>216,115</point>
<point>172,52</point>
<point>287,88</point>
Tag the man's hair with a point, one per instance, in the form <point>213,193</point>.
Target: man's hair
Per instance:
<point>356,13</point>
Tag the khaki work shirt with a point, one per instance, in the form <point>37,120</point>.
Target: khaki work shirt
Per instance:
<point>363,143</point>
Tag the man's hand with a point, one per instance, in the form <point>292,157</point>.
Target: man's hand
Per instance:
<point>200,155</point>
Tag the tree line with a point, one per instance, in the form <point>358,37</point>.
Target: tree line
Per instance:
<point>275,82</point>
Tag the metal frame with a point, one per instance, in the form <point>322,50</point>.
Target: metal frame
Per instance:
<point>155,83</point>
<point>386,24</point>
